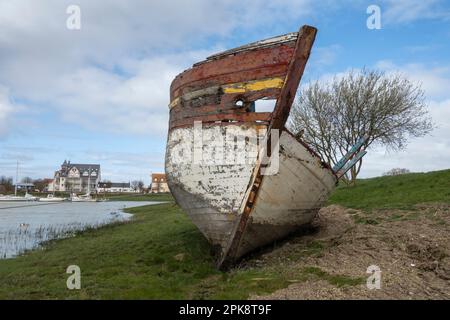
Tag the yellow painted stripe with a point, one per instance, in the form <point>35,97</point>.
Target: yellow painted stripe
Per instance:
<point>174,103</point>
<point>242,87</point>
<point>258,85</point>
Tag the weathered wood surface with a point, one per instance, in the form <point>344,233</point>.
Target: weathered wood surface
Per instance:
<point>213,87</point>
<point>241,117</point>
<point>289,199</point>
<point>289,38</point>
<point>211,190</point>
<point>305,41</point>
<point>245,66</point>
<point>233,204</point>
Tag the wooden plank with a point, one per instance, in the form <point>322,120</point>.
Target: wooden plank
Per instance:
<point>243,117</point>
<point>352,162</point>
<point>299,193</point>
<point>278,70</point>
<point>215,104</point>
<point>290,37</point>
<point>282,109</point>
<point>235,65</point>
<point>340,164</point>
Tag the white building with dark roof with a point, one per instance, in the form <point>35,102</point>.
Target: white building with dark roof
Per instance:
<point>78,178</point>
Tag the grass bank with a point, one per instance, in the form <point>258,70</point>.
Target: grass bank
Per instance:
<point>140,197</point>
<point>395,192</point>
<point>159,255</point>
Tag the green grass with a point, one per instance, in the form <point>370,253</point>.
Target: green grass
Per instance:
<point>337,280</point>
<point>140,260</point>
<point>395,192</point>
<point>140,197</point>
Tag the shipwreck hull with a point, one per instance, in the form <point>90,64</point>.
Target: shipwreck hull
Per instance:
<point>215,149</point>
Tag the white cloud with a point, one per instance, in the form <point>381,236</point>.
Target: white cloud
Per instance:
<point>405,11</point>
<point>431,152</point>
<point>323,57</point>
<point>422,154</point>
<point>435,81</point>
<point>104,100</point>
<point>114,73</point>
<point>6,111</point>
<point>124,166</point>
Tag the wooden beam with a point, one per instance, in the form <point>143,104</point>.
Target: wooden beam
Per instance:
<point>307,35</point>
<point>280,115</point>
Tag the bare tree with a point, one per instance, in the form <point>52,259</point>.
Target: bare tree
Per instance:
<point>40,184</point>
<point>7,184</point>
<point>331,116</point>
<point>27,180</point>
<point>107,184</point>
<point>141,186</point>
<point>137,185</point>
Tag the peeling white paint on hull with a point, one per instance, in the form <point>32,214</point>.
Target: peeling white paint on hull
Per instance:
<point>213,194</point>
<point>289,199</point>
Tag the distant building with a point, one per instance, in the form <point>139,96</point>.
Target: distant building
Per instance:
<point>159,183</point>
<point>115,187</point>
<point>74,177</point>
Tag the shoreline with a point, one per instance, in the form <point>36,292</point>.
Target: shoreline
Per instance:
<point>28,227</point>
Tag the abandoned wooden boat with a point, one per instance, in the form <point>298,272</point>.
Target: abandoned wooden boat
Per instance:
<point>239,198</point>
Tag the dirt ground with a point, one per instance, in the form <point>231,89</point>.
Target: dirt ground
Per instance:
<point>411,248</point>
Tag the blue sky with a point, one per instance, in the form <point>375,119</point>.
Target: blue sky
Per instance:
<point>100,94</point>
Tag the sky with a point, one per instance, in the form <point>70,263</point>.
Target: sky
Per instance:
<point>99,94</point>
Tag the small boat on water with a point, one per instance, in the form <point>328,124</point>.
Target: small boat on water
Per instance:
<point>52,198</point>
<point>15,197</point>
<point>82,198</point>
<point>240,175</point>
<point>26,197</point>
